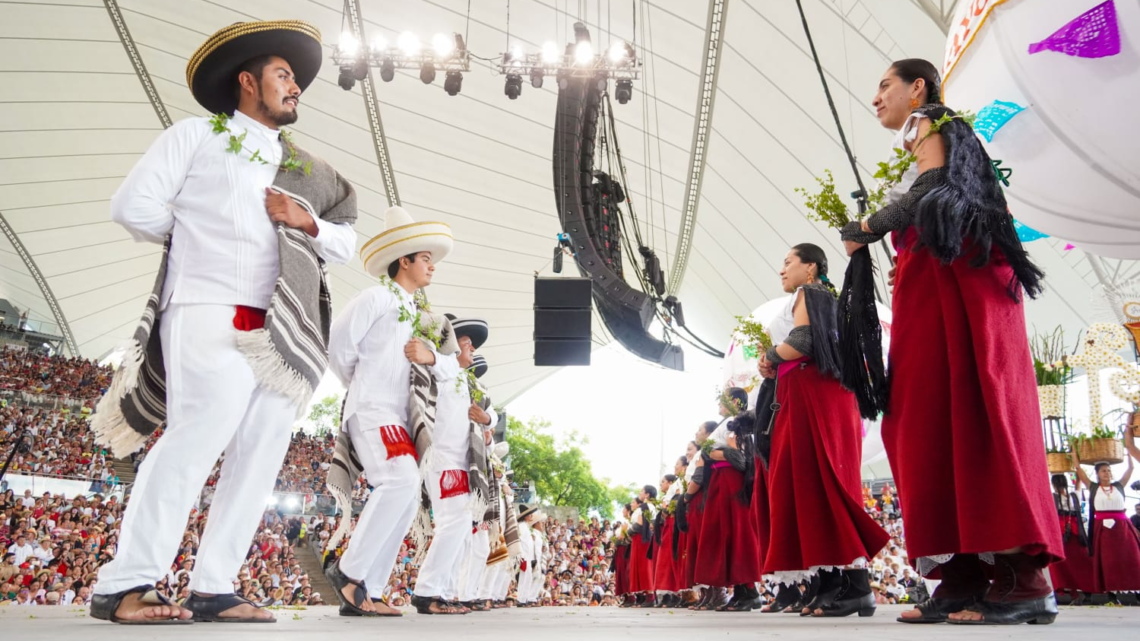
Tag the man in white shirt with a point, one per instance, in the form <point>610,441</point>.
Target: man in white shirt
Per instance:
<point>525,587</point>
<point>207,185</point>
<point>43,551</point>
<point>373,343</point>
<point>22,549</point>
<point>448,483</point>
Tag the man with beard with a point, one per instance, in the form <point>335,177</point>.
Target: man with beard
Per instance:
<point>234,337</point>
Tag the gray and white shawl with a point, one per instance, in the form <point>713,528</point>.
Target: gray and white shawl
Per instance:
<point>288,356</point>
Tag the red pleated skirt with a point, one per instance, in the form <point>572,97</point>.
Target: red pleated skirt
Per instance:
<point>1076,571</point>
<point>695,511</point>
<point>964,416</point>
<point>727,554</point>
<point>665,566</point>
<point>814,482</point>
<point>621,570</point>
<point>1116,555</point>
<point>640,566</point>
<point>679,560</point>
<point>760,511</point>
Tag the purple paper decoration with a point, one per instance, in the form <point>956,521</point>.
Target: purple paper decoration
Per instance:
<point>1069,246</point>
<point>1093,34</point>
<point>994,116</point>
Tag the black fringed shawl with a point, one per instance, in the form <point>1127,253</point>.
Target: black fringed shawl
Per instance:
<point>861,337</point>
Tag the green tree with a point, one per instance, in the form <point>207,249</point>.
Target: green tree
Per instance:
<point>325,415</point>
<point>561,473</point>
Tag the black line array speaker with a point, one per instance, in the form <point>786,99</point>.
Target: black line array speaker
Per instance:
<point>562,321</point>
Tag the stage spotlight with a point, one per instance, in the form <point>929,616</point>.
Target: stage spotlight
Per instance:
<point>624,91</point>
<point>360,69</point>
<point>408,43</point>
<point>453,83</point>
<point>427,73</point>
<point>346,79</point>
<point>618,52</point>
<point>387,70</point>
<point>536,78</point>
<point>444,45</point>
<point>348,45</point>
<point>583,52</point>
<point>514,86</point>
<point>550,53</point>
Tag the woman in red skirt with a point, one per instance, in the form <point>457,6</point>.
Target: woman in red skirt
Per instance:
<point>1075,573</point>
<point>694,503</point>
<point>817,521</point>
<point>665,577</point>
<point>1113,539</point>
<point>621,559</point>
<point>641,549</point>
<point>727,555</point>
<point>963,416</point>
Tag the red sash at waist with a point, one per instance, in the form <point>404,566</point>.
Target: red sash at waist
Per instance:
<point>719,464</point>
<point>788,366</point>
<point>1100,516</point>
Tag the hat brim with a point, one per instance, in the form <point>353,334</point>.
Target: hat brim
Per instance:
<point>479,369</point>
<point>213,69</point>
<point>384,249</point>
<point>474,328</point>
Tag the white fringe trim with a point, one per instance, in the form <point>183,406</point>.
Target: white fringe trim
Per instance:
<point>793,577</point>
<point>271,371</point>
<point>108,423</point>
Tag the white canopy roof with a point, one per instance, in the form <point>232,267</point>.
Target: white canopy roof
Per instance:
<point>75,116</point>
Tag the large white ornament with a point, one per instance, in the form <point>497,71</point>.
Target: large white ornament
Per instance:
<point>1102,342</point>
<point>1125,384</point>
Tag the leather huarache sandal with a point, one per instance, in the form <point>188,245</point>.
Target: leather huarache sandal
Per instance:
<point>209,609</point>
<point>423,605</point>
<point>339,581</point>
<point>937,610</point>
<point>104,606</point>
<point>378,613</point>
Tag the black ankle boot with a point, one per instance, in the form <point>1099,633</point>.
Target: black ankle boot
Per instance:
<point>854,596</point>
<point>785,596</point>
<point>830,583</point>
<point>1019,594</point>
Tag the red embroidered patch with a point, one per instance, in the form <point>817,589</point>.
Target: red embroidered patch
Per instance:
<point>248,318</point>
<point>397,442</point>
<point>453,483</point>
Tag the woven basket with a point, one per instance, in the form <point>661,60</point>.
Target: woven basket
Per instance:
<point>1096,450</point>
<point>1134,423</point>
<point>1059,462</point>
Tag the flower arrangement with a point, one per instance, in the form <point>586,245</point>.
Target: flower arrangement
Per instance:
<point>727,403</point>
<point>1050,362</point>
<point>751,333</point>
<point>828,208</point>
<point>707,446</point>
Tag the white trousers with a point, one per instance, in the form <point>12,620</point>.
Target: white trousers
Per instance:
<point>386,517</point>
<point>525,582</point>
<point>439,575</point>
<point>537,577</point>
<point>214,405</point>
<point>489,585</point>
<point>471,576</point>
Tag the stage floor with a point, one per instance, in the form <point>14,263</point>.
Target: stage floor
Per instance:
<point>558,624</point>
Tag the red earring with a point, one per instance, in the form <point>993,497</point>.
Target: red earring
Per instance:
<point>914,103</point>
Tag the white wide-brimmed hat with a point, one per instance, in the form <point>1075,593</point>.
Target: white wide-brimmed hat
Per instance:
<point>403,236</point>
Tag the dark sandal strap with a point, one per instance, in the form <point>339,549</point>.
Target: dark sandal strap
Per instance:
<point>211,607</point>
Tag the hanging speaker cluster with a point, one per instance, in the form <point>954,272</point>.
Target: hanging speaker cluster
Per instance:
<point>562,321</point>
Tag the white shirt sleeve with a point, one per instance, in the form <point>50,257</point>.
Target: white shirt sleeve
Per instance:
<point>494,417</point>
<point>334,242</point>
<point>142,204</point>
<point>349,330</point>
<point>446,367</point>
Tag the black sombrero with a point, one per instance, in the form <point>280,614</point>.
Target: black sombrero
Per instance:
<point>474,328</point>
<point>479,366</point>
<point>527,511</point>
<point>212,70</point>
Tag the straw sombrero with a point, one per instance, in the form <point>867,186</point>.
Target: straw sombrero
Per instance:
<point>501,450</point>
<point>479,364</point>
<point>474,328</point>
<point>403,236</point>
<point>212,71</point>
